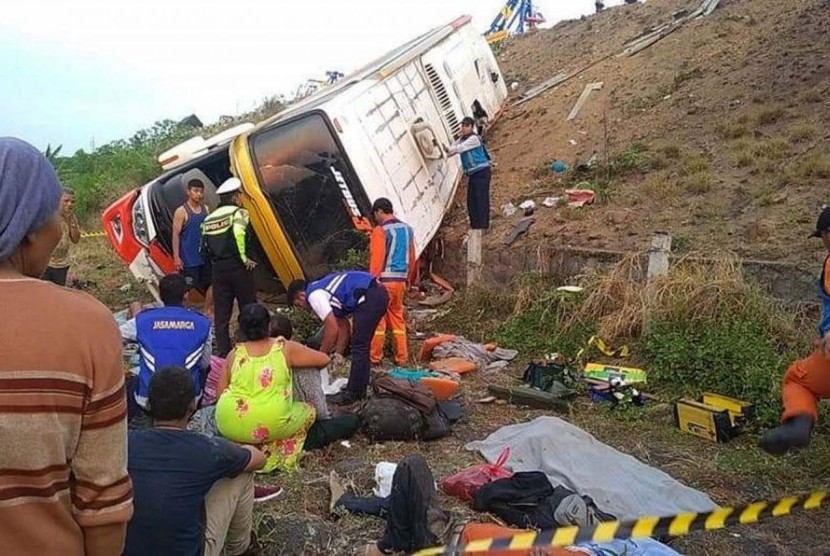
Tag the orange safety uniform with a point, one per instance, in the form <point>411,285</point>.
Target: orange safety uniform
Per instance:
<point>392,261</point>
<point>808,380</point>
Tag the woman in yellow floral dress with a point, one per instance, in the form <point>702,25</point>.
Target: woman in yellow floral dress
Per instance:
<point>256,404</point>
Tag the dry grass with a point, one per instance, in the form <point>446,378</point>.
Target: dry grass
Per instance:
<point>696,288</point>
<point>776,148</point>
<point>768,115</point>
<point>810,167</point>
<point>671,152</point>
<point>732,130</point>
<point>802,132</point>
<point>659,184</point>
<point>698,183</point>
<point>694,164</point>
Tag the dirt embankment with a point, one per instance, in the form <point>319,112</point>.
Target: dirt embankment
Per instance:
<point>725,122</point>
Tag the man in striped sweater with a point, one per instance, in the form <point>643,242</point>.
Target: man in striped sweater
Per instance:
<point>64,487</point>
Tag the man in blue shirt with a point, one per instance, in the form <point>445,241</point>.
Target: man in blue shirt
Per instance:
<point>476,163</point>
<point>172,335</point>
<point>193,494</point>
<point>187,241</point>
<point>334,299</point>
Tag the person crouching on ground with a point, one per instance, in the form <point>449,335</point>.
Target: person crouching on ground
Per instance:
<point>807,380</point>
<point>193,494</point>
<point>335,298</point>
<point>256,404</point>
<point>171,335</point>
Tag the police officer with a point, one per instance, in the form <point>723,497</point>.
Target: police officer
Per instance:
<point>335,298</point>
<point>224,245</point>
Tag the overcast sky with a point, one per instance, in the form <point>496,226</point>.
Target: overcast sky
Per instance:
<point>78,71</point>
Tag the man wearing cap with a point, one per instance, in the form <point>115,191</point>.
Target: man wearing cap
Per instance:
<point>335,299</point>
<point>224,246</point>
<point>807,380</point>
<point>476,163</point>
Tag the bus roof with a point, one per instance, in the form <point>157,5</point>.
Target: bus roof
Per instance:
<point>383,65</point>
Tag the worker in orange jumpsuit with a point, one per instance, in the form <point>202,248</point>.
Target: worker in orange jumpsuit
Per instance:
<point>807,380</point>
<point>392,261</point>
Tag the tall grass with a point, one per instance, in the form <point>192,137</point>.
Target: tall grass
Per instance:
<point>700,327</point>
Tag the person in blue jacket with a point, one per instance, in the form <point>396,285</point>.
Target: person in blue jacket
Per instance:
<point>171,335</point>
<point>334,299</point>
<point>476,163</point>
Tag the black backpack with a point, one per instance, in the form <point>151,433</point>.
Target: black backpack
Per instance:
<point>403,410</point>
<point>528,500</point>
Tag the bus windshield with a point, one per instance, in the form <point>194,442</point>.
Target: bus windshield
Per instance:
<point>312,190</point>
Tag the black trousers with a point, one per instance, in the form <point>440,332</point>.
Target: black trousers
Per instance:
<point>322,433</point>
<point>364,323</point>
<point>478,199</point>
<point>407,510</point>
<point>229,286</point>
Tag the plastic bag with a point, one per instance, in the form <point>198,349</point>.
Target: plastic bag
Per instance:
<point>384,473</point>
<point>466,483</point>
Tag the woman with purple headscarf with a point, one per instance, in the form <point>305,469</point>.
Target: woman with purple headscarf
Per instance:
<point>64,487</point>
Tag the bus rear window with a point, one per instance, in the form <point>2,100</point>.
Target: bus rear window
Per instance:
<point>312,190</point>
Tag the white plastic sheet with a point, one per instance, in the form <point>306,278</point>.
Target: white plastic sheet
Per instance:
<point>569,456</point>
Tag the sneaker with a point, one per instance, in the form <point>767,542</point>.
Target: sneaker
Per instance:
<point>345,397</point>
<point>263,493</point>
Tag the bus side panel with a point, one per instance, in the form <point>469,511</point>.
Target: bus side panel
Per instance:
<point>388,160</point>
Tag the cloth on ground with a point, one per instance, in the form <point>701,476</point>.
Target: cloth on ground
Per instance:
<point>617,482</point>
<point>204,422</point>
<point>629,547</point>
<point>527,499</point>
<point>308,388</point>
<point>477,353</point>
<point>414,519</point>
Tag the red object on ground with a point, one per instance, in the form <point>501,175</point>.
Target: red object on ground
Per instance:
<point>466,483</point>
<point>580,197</point>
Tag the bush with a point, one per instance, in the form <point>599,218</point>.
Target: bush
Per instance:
<point>732,355</point>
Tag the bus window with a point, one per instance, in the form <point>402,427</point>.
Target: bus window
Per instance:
<point>312,190</point>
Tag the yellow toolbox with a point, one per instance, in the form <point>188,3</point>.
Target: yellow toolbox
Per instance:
<point>713,417</point>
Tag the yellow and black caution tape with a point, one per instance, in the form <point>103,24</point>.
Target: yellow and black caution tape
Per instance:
<point>93,234</point>
<point>652,526</point>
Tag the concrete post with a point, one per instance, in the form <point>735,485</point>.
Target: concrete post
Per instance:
<point>473,256</point>
<point>658,255</point>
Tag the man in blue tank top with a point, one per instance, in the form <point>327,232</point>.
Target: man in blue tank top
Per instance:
<point>187,241</point>
<point>334,299</point>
